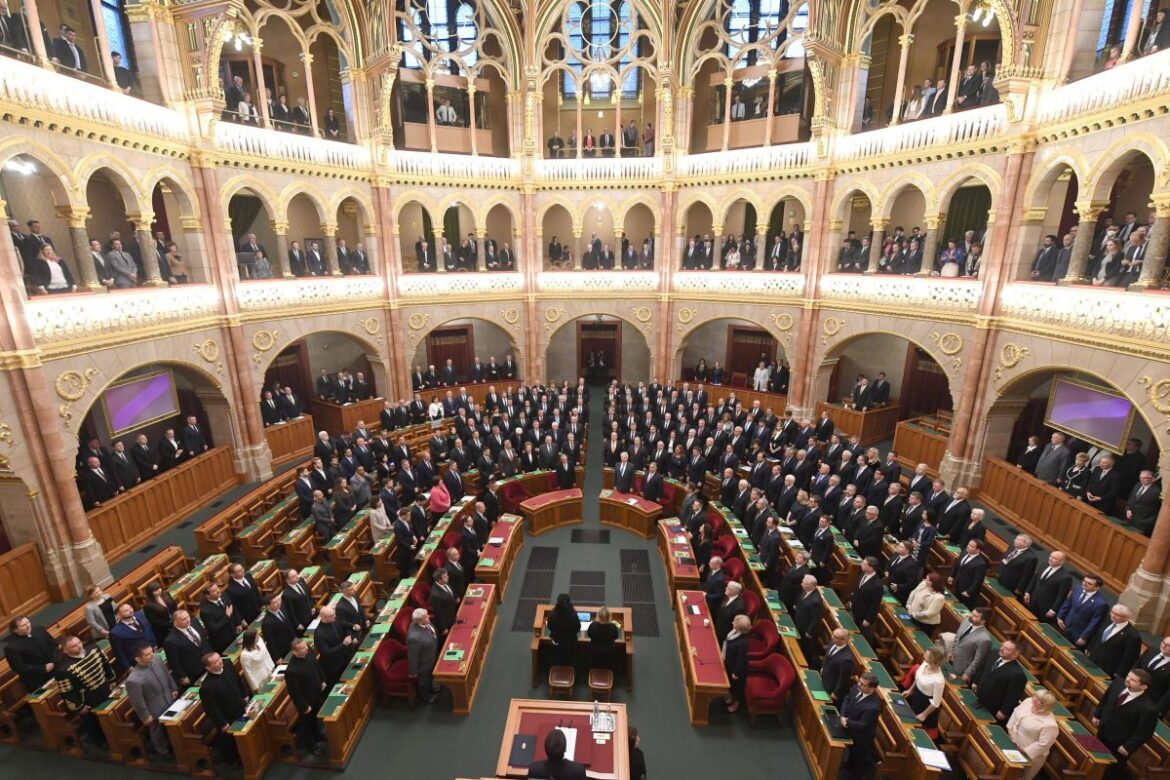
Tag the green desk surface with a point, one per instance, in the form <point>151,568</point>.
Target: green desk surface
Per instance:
<point>922,740</point>
<point>883,675</point>
<point>972,705</point>
<point>831,598</point>
<point>1074,727</point>
<point>846,621</point>
<point>863,647</point>
<point>1001,740</point>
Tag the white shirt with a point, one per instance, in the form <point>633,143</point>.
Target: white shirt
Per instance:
<point>257,664</point>
<point>56,276</point>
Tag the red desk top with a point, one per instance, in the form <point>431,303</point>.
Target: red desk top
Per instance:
<point>649,507</point>
<point>539,502</point>
<point>504,528</point>
<point>674,531</point>
<point>470,618</point>
<point>596,758</point>
<point>707,660</point>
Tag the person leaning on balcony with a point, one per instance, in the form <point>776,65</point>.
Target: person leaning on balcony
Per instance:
<point>125,78</point>
<point>1157,35</point>
<point>302,119</point>
<point>281,113</point>
<point>67,52</point>
<point>47,274</point>
<point>174,267</point>
<point>246,112</point>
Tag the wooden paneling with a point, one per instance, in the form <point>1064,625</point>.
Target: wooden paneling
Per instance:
<point>290,441</point>
<point>23,587</point>
<point>137,515</point>
<point>916,443</point>
<point>1093,542</point>
<point>872,426</point>
<point>336,418</point>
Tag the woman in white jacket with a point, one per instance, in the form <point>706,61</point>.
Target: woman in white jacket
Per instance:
<point>1033,728</point>
<point>761,377</point>
<point>255,659</point>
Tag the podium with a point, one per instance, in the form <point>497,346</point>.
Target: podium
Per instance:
<point>604,759</point>
<point>629,513</point>
<point>552,510</point>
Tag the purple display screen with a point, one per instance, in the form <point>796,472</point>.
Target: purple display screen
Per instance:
<point>1094,415</point>
<point>140,401</point>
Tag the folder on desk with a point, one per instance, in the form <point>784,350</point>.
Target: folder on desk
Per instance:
<point>1091,743</point>
<point>453,655</point>
<point>523,750</point>
<point>832,722</point>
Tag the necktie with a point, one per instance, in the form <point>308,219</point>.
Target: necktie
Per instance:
<point>966,631</point>
<point>1000,663</point>
<point>1047,572</point>
<point>1123,698</point>
<point>1109,632</point>
<point>1157,662</point>
<point>100,474</point>
<point>1085,598</point>
<point>192,635</point>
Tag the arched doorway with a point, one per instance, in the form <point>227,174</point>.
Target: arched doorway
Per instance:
<point>175,223</point>
<point>355,239</point>
<point>784,242</point>
<point>303,362</point>
<point>698,246</point>
<point>37,201</point>
<point>918,384</point>
<point>251,216</point>
<point>417,238</point>
<point>463,342</point>
<point>638,233</point>
<point>561,248</point>
<point>109,198</point>
<point>498,231</point>
<point>618,348</point>
<point>736,346</point>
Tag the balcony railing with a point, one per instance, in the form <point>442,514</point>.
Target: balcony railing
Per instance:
<point>738,283</point>
<point>1110,89</point>
<point>39,89</point>
<point>272,145</point>
<point>601,169</point>
<point>440,285</point>
<point>1100,312</point>
<point>961,127</point>
<point>908,293</point>
<point>56,318</point>
<point>598,281</point>
<point>747,161</point>
<point>289,294</point>
<point>424,165</point>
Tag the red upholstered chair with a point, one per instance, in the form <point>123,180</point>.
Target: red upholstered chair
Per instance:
<point>394,670</point>
<point>725,547</point>
<point>402,623</point>
<point>767,686</point>
<point>420,594</point>
<point>450,539</point>
<point>751,603</point>
<point>763,640</point>
<point>734,568</point>
<point>718,527</point>
<point>436,561</point>
<point>667,494</point>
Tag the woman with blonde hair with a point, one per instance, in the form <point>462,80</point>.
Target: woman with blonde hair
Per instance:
<point>99,611</point>
<point>926,602</point>
<point>925,692</point>
<point>1033,728</point>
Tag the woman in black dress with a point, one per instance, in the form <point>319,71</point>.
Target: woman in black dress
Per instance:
<point>603,633</point>
<point>332,126</point>
<point>678,463</point>
<point>564,627</point>
<point>637,760</point>
<point>735,659</point>
<point>158,609</point>
<point>1076,478</point>
<point>701,370</point>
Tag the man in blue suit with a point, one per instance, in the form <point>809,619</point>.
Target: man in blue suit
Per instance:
<point>130,630</point>
<point>1082,612</point>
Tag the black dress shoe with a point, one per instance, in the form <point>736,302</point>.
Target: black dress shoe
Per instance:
<point>317,750</point>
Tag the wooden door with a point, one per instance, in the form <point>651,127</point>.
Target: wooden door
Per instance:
<point>291,369</point>
<point>604,338</point>
<point>454,343</point>
<point>744,347</point>
<point>925,389</point>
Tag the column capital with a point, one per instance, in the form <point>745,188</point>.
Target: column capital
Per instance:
<point>76,217</point>
<point>307,58</point>
<point>142,220</point>
<point>471,88</point>
<point>190,223</point>
<point>329,230</point>
<point>279,228</point>
<point>258,45</point>
<point>728,82</point>
<point>934,221</point>
<point>879,225</point>
<point>905,39</point>
<point>960,21</point>
<point>430,85</point>
<point>1160,203</point>
<point>1090,210</point>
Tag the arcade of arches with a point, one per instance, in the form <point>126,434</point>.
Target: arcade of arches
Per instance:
<point>242,230</point>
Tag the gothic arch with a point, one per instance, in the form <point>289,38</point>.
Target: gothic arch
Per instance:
<point>909,181</point>
<point>64,184</point>
<point>119,175</point>
<point>854,187</point>
<point>1113,160</point>
<point>255,188</point>
<point>574,209</point>
<point>312,195</point>
<point>946,189</point>
<point>1042,180</point>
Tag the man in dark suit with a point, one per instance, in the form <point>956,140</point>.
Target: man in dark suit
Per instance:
<point>716,583</point>
<point>131,629</point>
<point>867,538</point>
<point>904,572</point>
<point>31,652</point>
<point>1156,663</point>
<point>193,441</point>
<point>556,767</point>
<point>1141,508</point>
<point>442,602</point>
<point>1044,264</point>
<point>954,514</point>
<point>350,612</point>
<point>186,644</point>
<point>277,628</point>
<point>623,475</point>
<point>144,457</point>
<point>1028,459</point>
<point>1018,567</point>
<point>652,485</point>
<point>1082,614</point>
<point>966,579</point>
<point>1049,588</point>
<point>867,596</point>
<point>304,490</point>
<point>999,683</point>
<point>334,644</point>
<point>296,260</point>
<point>890,509</point>
<point>243,594</point>
<point>223,698</point>
<point>807,615</point>
<point>837,668</point>
<point>218,617</point>
<point>1125,719</point>
<point>297,601</point>
<point>99,484</point>
<point>731,605</point>
<point>306,687</point>
<point>859,716</point>
<point>861,391</point>
<point>457,572</point>
<point>1104,485</point>
<point>920,481</point>
<point>1117,645</point>
<point>879,391</point>
<point>67,51</point>
<point>967,95</point>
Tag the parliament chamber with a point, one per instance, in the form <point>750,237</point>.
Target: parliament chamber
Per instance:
<point>383,384</point>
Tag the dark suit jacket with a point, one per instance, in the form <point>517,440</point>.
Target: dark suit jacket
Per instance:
<point>1129,725</point>
<point>296,605</point>
<point>969,579</point>
<point>726,614</point>
<point>1160,686</point>
<point>1144,508</point>
<point>999,690</point>
<point>246,600</point>
<point>807,615</point>
<point>184,656</point>
<point>1017,574</point>
<point>714,586</point>
<point>790,585</point>
<point>862,718</point>
<point>1083,621</point>
<point>221,627</point>
<point>1049,594</point>
<point>1117,655</point>
<point>561,770</point>
<point>278,634</point>
<point>329,638</point>
<point>222,696</point>
<point>821,548</point>
<point>652,488</point>
<point>867,599</point>
<point>305,682</point>
<point>623,482</point>
<point>836,672</point>
<point>442,605</point>
<point>868,539</point>
<point>1105,487</point>
<point>906,575</point>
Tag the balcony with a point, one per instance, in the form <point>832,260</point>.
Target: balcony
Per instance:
<point>1097,312</point>
<point>598,282</point>
<point>1107,91</point>
<point>961,128</point>
<point>266,145</point>
<point>55,319</point>
<point>747,161</point>
<point>42,91</point>
<point>428,167</point>
<point>346,292</point>
<point>478,284</point>
<point>605,169</point>
<point>740,284</point>
<point>903,293</point>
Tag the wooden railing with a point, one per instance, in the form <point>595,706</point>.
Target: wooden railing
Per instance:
<point>23,586</point>
<point>336,418</point>
<point>137,515</point>
<point>917,442</point>
<point>290,441</point>
<point>1092,541</point>
<point>872,426</point>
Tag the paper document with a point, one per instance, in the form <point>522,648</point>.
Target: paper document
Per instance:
<point>934,758</point>
<point>496,540</point>
<point>176,709</point>
<point>570,741</point>
<point>316,622</point>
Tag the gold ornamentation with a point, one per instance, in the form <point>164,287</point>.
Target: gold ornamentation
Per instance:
<point>264,340</point>
<point>832,326</point>
<point>6,438</point>
<point>685,316</point>
<point>207,349</point>
<point>950,344</point>
<point>641,313</point>
<point>370,325</point>
<point>1010,356</point>
<point>71,385</point>
<point>1158,392</point>
<point>510,315</point>
<point>783,321</point>
<point>418,321</point>
<point>552,314</point>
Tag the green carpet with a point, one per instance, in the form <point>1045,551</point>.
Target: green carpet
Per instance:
<point>429,742</point>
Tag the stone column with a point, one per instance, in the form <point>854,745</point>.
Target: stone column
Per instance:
<point>437,248</point>
<point>150,20</point>
<point>1078,262</point>
<point>330,233</point>
<point>761,240</point>
<point>195,239</point>
<point>1133,30</point>
<point>684,104</point>
<point>727,84</point>
<point>680,246</point>
<point>1155,263</point>
<point>953,83</point>
<point>577,249</point>
<point>312,98</point>
<point>771,106</point>
<point>481,249</point>
<point>878,227</point>
<point>37,40</point>
<point>373,249</point>
<point>1148,588</point>
<point>619,234</point>
<point>519,256</point>
<point>930,245</point>
<point>471,117</point>
<point>259,89</point>
<point>142,223</point>
<point>79,238</point>
<point>107,62</point>
<point>836,234</point>
<point>280,262</point>
<point>904,42</point>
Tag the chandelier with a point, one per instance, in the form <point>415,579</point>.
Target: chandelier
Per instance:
<point>238,39</point>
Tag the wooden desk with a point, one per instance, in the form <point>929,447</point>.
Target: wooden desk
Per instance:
<point>702,662</point>
<point>258,540</point>
<point>674,543</point>
<point>124,734</point>
<point>915,443</point>
<point>552,510</point>
<point>605,760</point>
<point>521,487</point>
<point>300,544</point>
<point>872,426</point>
<point>346,547</point>
<point>291,440</point>
<point>24,589</point>
<point>500,553</point>
<point>673,491</point>
<point>629,512</point>
<point>463,654</point>
<point>191,735</point>
<point>349,704</point>
<point>811,702</point>
<point>988,752</point>
<point>336,418</point>
<point>623,617</point>
<point>188,589</point>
